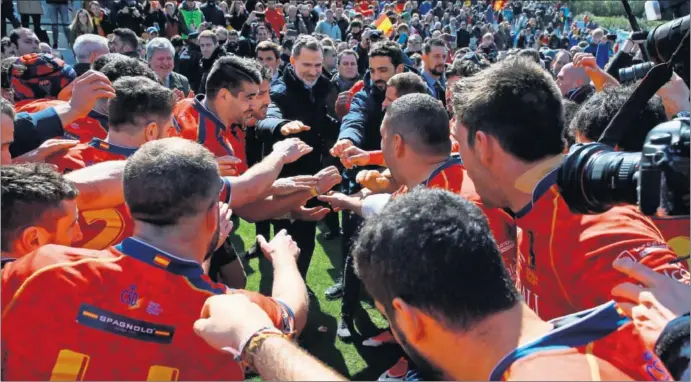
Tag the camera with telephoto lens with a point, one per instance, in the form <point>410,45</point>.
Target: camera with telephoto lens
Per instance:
<point>594,178</point>
<point>635,72</point>
<point>660,44</point>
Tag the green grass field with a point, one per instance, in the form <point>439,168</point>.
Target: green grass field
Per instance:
<point>350,359</point>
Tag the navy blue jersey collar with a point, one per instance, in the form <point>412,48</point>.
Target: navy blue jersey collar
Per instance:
<point>189,269</point>
<point>112,148</point>
<point>450,161</point>
<point>6,260</point>
<point>101,118</point>
<point>219,127</point>
<point>205,112</point>
<point>540,189</point>
<point>570,331</point>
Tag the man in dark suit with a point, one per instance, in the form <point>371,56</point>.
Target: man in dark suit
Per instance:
<point>160,55</point>
<point>298,108</point>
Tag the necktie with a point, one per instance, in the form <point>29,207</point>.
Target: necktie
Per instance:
<point>441,92</point>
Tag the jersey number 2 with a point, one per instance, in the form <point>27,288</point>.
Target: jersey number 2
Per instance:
<point>71,366</point>
<point>114,227</point>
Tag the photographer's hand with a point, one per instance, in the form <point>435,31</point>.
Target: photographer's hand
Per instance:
<point>675,96</point>
<point>653,301</point>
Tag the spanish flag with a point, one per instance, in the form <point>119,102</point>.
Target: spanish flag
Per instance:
<point>499,5</point>
<point>384,24</point>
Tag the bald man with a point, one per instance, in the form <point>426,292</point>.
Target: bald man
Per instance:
<point>562,58</point>
<point>571,77</point>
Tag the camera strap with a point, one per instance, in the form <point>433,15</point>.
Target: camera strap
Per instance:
<point>658,76</point>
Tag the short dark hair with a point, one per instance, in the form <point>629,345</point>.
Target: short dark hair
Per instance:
<point>104,60</point>
<point>28,192</point>
<point>462,68</point>
<point>305,42</point>
<point>151,181</point>
<point>599,110</point>
<point>6,108</point>
<point>531,54</point>
<point>518,103</point>
<point>407,83</point>
<point>268,46</point>
<point>127,36</point>
<point>355,24</point>
<point>387,49</point>
<point>432,43</point>
<point>138,101</point>
<point>265,72</point>
<point>422,121</point>
<point>121,66</point>
<point>230,72</point>
<point>177,41</point>
<point>570,110</point>
<point>434,250</point>
<point>347,52</point>
<point>14,35</point>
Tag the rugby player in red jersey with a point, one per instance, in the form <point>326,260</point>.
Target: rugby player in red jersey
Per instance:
<point>430,263</point>
<point>40,206</point>
<point>216,119</point>
<point>141,111</point>
<point>417,148</point>
<point>509,125</point>
<point>141,297</point>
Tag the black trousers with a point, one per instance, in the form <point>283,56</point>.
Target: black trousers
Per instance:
<point>263,228</point>
<point>8,14</point>
<point>303,232</point>
<point>351,283</point>
<point>35,19</point>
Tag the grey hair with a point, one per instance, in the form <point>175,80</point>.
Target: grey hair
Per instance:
<point>86,44</point>
<point>156,44</point>
<point>306,42</point>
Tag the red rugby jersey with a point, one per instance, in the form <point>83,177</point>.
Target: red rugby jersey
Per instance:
<point>193,121</point>
<point>94,125</point>
<point>104,227</point>
<point>452,176</point>
<point>125,313</point>
<point>675,230</point>
<point>592,345</point>
<point>565,259</point>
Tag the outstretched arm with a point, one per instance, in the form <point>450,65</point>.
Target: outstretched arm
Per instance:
<point>234,321</point>
<point>100,185</point>
<point>257,181</point>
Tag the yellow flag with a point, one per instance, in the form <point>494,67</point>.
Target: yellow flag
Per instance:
<point>384,24</point>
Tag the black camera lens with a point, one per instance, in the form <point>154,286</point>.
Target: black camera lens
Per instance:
<point>594,178</point>
<point>635,72</point>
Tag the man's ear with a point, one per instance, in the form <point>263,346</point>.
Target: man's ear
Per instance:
<point>400,68</point>
<point>398,145</point>
<point>212,217</point>
<point>30,239</point>
<point>409,320</point>
<point>485,145</point>
<point>151,132</point>
<point>292,61</point>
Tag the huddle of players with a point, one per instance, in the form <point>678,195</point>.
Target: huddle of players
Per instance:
<point>170,185</point>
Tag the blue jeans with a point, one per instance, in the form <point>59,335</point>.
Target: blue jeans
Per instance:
<point>61,11</point>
